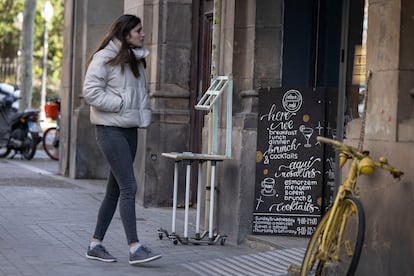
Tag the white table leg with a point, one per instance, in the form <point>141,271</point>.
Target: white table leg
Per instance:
<point>174,214</point>
<point>199,187</point>
<point>187,198</point>
<point>211,219</point>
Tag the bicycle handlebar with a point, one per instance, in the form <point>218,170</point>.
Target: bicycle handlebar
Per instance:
<point>339,146</point>
<point>355,153</point>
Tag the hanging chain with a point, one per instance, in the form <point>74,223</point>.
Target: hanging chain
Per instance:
<point>364,114</point>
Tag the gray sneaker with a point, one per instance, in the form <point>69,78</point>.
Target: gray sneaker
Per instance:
<point>100,253</point>
<point>142,255</point>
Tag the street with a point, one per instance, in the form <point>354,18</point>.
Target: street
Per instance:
<point>46,223</point>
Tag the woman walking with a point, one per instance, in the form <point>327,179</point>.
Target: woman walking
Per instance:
<point>116,89</point>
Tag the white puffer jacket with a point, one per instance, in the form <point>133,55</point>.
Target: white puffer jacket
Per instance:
<point>116,98</point>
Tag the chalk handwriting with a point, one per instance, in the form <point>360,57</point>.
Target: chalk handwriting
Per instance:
<point>293,206</point>
<point>276,116</point>
<point>299,169</point>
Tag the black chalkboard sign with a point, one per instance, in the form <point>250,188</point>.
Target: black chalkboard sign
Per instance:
<point>289,161</point>
<point>329,183</point>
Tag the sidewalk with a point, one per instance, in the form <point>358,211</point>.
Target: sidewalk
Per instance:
<point>46,222</point>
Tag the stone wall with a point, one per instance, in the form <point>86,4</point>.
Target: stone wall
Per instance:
<point>167,25</point>
<point>254,61</point>
<point>389,241</point>
<point>85,24</point>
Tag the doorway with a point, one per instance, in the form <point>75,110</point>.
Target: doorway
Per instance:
<point>200,76</point>
<point>353,59</point>
<point>324,46</point>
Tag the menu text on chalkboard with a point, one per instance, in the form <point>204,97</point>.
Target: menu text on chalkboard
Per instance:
<point>289,161</point>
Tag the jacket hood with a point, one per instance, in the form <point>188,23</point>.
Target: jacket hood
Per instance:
<point>114,46</point>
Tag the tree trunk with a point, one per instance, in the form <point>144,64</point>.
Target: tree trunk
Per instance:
<point>27,54</point>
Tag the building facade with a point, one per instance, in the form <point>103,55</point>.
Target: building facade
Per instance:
<point>260,44</point>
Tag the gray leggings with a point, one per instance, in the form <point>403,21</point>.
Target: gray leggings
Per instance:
<point>119,146</point>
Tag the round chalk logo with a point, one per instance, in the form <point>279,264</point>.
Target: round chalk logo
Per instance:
<point>292,100</point>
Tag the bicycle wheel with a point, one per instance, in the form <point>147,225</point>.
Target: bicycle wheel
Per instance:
<point>51,143</point>
<point>342,254</point>
<point>311,261</point>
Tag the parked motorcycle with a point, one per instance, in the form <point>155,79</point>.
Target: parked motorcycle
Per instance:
<point>19,131</point>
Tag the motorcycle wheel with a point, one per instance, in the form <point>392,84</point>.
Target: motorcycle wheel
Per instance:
<point>4,151</point>
<point>30,148</point>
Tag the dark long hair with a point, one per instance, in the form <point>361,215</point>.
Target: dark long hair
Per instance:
<point>120,29</point>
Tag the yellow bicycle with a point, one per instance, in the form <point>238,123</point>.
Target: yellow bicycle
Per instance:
<point>336,244</point>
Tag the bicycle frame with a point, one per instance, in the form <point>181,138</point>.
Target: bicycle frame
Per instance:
<point>347,188</point>
<point>330,242</point>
